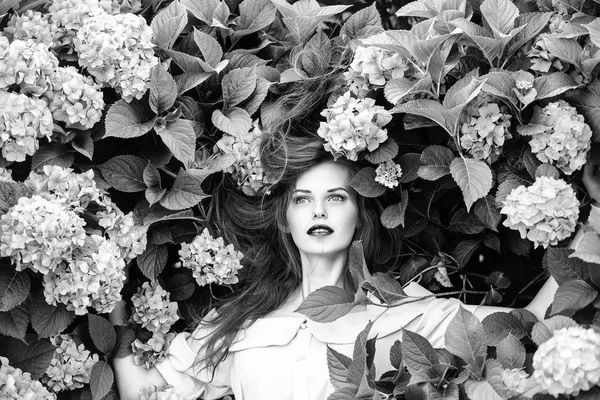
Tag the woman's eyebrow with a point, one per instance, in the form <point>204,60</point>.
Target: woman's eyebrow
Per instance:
<point>336,189</point>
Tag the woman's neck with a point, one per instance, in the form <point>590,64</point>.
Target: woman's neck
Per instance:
<point>319,271</point>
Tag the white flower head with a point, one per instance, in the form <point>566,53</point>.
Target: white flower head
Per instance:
<point>353,125</point>
<point>388,173</point>
<point>545,212</point>
<point>568,362</point>
<point>372,67</point>
<point>210,260</point>
<point>152,308</point>
<point>148,353</point>
<point>156,393</point>
<point>71,365</point>
<point>18,385</point>
<point>515,380</point>
<point>33,25</point>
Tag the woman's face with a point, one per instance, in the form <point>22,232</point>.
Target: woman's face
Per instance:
<point>323,212</point>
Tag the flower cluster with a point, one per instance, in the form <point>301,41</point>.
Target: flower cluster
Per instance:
<point>210,260</point>
<point>18,385</point>
<point>152,308</point>
<point>94,278</point>
<point>32,25</point>
<point>154,350</point>
<point>122,230</point>
<point>373,67</point>
<point>71,365</point>
<point>5,175</point>
<point>156,393</point>
<point>22,121</point>
<point>40,234</point>
<point>541,59</point>
<point>484,128</point>
<point>515,380</point>
<point>247,169</point>
<point>28,64</point>
<point>545,212</point>
<point>74,99</point>
<point>117,50</point>
<point>388,173</point>
<point>353,125</point>
<point>567,139</point>
<point>568,362</point>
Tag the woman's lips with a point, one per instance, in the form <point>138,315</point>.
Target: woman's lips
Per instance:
<point>319,230</point>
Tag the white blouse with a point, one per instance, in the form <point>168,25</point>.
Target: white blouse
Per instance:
<point>286,357</point>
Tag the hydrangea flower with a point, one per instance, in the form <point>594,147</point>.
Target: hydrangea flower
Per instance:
<point>545,212</point>
<point>22,121</point>
<point>247,169</point>
<point>18,385</point>
<point>94,278</point>
<point>5,175</point>
<point>568,362</point>
<point>71,365</point>
<point>566,140</point>
<point>74,189</point>
<point>154,350</point>
<point>74,99</point>
<point>117,50</point>
<point>541,59</point>
<point>125,233</point>
<point>388,173</point>
<point>372,67</point>
<point>353,125</point>
<point>210,260</point>
<point>156,393</point>
<point>152,308</point>
<point>40,234</point>
<point>32,25</point>
<point>515,380</point>
<point>484,128</point>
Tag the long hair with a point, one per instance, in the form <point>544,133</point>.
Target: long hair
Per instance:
<point>256,226</point>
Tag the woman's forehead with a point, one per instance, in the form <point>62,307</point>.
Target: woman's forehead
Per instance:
<point>327,175</point>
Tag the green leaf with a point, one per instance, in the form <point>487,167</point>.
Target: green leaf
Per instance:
<point>125,337</point>
<point>33,357</point>
<point>101,379</point>
<point>563,267</point>
<point>510,352</point>
<point>151,176</point>
<point>168,24</point>
<point>10,193</point>
<point>14,287</point>
<point>52,154</point>
<point>594,30</point>
<point>364,183</point>
<point>365,22</point>
<point>489,46</point>
<point>398,41</point>
<point>492,241</point>
<point>486,211</point>
<point>481,390</point>
<point>544,330</point>
<point>48,320</point>
<point>397,89</point>
<point>254,16</point>
<point>572,296</point>
<point>465,336</point>
<point>209,47</point>
<point>386,288</point>
<point>84,144</point>
<point>385,152</point>
<point>474,178</point>
<point>464,222</point>
<point>127,120</point>
<point>462,92</point>
<point>587,101</point>
<point>327,304</point>
<point>185,192</point>
<point>238,85</point>
<point>181,287</point>
<point>337,364</point>
<point>500,15</point>
<point>587,248</point>
<point>393,215</point>
<point>163,90</point>
<point>220,18</point>
<point>547,169</point>
<point>435,162</point>
<point>258,96</point>
<point>202,9</point>
<point>553,85</point>
<point>102,333</point>
<point>124,173</point>
<point>235,121</point>
<point>153,260</point>
<point>418,354</point>
<point>160,234</point>
<point>464,250</point>
<point>154,194</point>
<point>567,50</point>
<point>410,163</point>
<point>533,24</point>
<point>425,108</point>
<point>499,325</point>
<point>190,80</point>
<point>14,322</point>
<point>180,138</point>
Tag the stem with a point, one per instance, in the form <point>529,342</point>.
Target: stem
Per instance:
<point>533,281</point>
<point>427,270</point>
<point>166,171</point>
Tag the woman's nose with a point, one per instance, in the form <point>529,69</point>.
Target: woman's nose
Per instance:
<point>319,211</point>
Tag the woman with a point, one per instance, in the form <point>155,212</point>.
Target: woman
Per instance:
<point>256,346</point>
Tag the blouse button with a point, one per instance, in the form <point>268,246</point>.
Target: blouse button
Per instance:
<point>303,325</point>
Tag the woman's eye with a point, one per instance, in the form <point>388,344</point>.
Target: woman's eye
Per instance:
<point>337,198</point>
<point>301,200</point>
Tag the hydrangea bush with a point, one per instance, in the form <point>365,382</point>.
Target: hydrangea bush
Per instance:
<point>471,123</point>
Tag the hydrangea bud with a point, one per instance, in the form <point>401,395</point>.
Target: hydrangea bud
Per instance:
<point>5,175</point>
<point>94,278</point>
<point>545,212</point>
<point>210,260</point>
<point>18,385</point>
<point>22,121</point>
<point>372,67</point>
<point>353,125</point>
<point>484,128</point>
<point>515,380</point>
<point>388,173</point>
<point>247,169</point>
<point>32,25</point>
<point>152,308</point>
<point>71,365</point>
<point>74,99</point>
<point>154,350</point>
<point>155,393</point>
<point>118,51</point>
<point>40,234</point>
<point>541,59</point>
<point>568,362</point>
<point>567,139</point>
